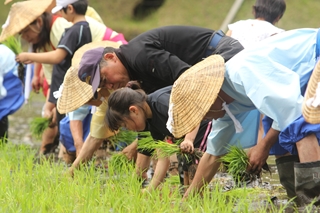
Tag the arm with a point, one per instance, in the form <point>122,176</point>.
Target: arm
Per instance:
<point>187,143</point>
<point>207,168</point>
<point>160,172</point>
<point>76,129</point>
<point>259,153</point>
<point>89,147</point>
<point>229,33</point>
<point>36,83</point>
<point>52,57</point>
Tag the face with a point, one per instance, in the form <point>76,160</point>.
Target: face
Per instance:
<point>67,15</point>
<point>215,110</point>
<point>136,121</point>
<point>31,33</point>
<point>114,75</point>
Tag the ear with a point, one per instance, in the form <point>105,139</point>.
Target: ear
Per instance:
<point>70,8</point>
<point>109,56</point>
<point>39,22</point>
<point>133,109</point>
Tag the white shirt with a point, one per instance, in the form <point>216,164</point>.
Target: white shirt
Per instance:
<point>250,31</point>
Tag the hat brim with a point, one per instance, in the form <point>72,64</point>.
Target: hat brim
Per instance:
<point>96,80</point>
<point>75,93</point>
<point>56,9</point>
<point>193,93</point>
<point>310,113</point>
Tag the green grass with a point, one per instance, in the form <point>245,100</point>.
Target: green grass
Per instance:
<point>27,186</point>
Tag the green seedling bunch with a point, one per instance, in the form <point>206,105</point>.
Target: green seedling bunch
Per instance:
<point>124,136</point>
<point>236,162</point>
<point>14,44</point>
<point>38,125</point>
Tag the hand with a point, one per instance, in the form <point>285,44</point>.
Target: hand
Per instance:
<point>187,146</point>
<point>131,151</point>
<point>258,156</point>
<point>23,58</point>
<point>36,84</point>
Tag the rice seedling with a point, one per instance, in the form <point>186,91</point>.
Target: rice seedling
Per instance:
<point>123,138</point>
<point>166,149</point>
<point>14,44</point>
<point>119,162</point>
<point>38,125</point>
<point>29,187</point>
<point>236,162</point>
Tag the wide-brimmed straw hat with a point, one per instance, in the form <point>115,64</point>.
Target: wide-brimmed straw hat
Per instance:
<point>21,15</point>
<point>76,93</point>
<point>311,104</point>
<point>193,93</point>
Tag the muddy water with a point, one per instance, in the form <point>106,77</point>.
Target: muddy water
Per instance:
<point>19,122</point>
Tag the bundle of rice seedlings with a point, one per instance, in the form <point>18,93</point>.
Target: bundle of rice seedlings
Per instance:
<point>236,162</point>
<point>38,125</point>
<point>166,149</point>
<point>14,44</point>
<point>123,138</point>
<point>119,162</point>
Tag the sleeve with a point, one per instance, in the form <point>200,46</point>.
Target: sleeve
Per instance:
<point>270,74</point>
<point>98,128</point>
<point>57,30</point>
<point>7,63</point>
<point>70,39</point>
<point>80,113</point>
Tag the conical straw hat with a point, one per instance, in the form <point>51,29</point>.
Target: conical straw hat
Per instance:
<point>76,93</point>
<point>193,93</point>
<point>21,15</point>
<point>312,113</point>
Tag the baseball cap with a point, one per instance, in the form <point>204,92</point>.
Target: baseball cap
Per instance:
<point>61,4</point>
<point>89,69</point>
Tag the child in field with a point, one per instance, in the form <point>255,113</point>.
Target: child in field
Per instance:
<point>267,13</point>
<point>136,111</point>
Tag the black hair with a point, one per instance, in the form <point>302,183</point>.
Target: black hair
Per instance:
<point>44,35</point>
<point>269,10</point>
<point>80,7</point>
<point>118,105</point>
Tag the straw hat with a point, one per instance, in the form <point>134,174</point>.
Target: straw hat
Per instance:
<point>7,2</point>
<point>76,93</point>
<point>78,54</point>
<point>21,15</point>
<point>193,93</point>
<point>311,109</point>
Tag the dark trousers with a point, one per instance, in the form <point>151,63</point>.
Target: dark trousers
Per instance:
<point>4,126</point>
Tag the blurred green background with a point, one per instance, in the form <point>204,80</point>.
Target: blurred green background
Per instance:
<point>121,15</point>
